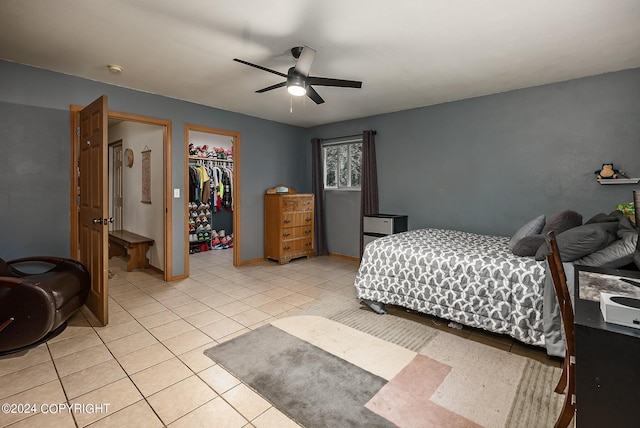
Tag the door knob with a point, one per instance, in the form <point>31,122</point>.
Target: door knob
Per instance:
<point>97,220</point>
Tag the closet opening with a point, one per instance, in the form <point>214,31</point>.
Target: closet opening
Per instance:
<point>211,198</point>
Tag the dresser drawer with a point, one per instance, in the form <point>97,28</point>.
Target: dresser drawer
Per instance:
<point>296,232</point>
<point>297,204</point>
<point>297,219</point>
<point>297,246</point>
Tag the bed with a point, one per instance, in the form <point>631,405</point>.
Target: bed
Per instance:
<point>478,281</point>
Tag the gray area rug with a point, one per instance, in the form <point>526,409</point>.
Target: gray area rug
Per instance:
<point>311,386</point>
<point>533,405</point>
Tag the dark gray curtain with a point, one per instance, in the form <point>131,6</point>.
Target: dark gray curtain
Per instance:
<point>368,181</point>
<point>320,237</point>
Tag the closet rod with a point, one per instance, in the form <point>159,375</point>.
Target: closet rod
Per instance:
<point>336,139</point>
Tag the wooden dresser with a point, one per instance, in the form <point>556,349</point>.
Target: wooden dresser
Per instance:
<point>288,226</point>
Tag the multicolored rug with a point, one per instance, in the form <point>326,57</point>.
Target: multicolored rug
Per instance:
<point>340,365</point>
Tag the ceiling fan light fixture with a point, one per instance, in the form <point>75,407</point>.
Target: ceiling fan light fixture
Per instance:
<point>297,91</point>
<point>296,85</point>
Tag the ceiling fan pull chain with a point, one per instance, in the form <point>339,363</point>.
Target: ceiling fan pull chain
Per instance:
<point>291,104</point>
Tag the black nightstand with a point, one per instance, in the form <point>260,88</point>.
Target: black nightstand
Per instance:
<point>378,225</point>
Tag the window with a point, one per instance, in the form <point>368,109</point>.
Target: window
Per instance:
<point>342,161</point>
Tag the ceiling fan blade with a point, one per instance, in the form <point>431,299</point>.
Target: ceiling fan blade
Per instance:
<point>276,86</point>
<point>326,81</point>
<point>303,65</point>
<point>311,93</point>
<point>259,67</point>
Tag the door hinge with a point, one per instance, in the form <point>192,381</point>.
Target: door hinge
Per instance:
<point>78,131</point>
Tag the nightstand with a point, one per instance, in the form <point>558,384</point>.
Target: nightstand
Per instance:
<point>378,225</point>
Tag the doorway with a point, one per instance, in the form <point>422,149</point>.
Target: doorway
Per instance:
<point>212,187</point>
<point>163,165</point>
<point>135,183</point>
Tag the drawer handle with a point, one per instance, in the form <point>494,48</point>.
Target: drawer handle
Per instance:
<point>286,220</point>
<point>308,244</point>
<point>307,219</point>
<point>307,231</point>
<point>286,234</point>
<point>286,247</point>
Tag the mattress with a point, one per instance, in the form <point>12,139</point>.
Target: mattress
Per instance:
<point>468,278</point>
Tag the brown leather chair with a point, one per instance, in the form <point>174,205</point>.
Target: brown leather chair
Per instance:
<point>35,307</point>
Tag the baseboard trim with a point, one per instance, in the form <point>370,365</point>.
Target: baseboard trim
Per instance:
<point>342,256</point>
<point>249,262</point>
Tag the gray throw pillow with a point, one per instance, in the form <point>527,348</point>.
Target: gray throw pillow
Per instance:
<point>580,241</point>
<point>528,246</point>
<point>532,227</point>
<point>562,221</point>
<point>619,253</point>
<point>625,225</point>
<point>601,218</point>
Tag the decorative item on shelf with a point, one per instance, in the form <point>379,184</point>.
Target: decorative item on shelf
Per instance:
<point>636,202</point>
<point>609,175</point>
<point>609,172</point>
<point>280,188</point>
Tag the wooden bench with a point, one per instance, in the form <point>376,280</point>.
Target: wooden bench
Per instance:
<point>131,246</point>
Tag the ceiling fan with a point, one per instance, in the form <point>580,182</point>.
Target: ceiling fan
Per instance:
<point>298,81</point>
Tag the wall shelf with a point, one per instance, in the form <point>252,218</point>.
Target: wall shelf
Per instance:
<point>618,180</point>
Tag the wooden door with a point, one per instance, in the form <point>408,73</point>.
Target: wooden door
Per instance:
<point>94,204</point>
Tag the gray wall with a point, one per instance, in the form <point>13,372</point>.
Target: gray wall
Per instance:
<point>489,164</point>
<point>34,188</point>
<point>35,138</point>
<point>483,165</point>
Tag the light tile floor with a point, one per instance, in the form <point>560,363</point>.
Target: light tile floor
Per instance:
<point>147,367</point>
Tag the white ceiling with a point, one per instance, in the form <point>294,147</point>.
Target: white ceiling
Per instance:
<point>407,53</point>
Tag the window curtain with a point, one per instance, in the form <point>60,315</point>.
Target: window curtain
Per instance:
<point>369,203</point>
<point>320,236</point>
